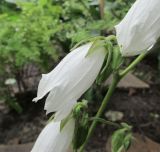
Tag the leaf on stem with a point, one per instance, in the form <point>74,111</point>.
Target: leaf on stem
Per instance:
<point>122,138</point>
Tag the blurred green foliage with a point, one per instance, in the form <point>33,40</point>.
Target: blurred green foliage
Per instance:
<point>33,31</point>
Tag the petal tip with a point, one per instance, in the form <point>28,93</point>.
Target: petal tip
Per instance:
<point>35,99</point>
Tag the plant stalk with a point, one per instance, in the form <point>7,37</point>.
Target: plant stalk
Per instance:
<point>116,78</point>
<point>102,107</point>
<point>133,64</point>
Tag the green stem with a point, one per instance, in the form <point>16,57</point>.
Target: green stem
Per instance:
<point>116,78</point>
<point>105,122</point>
<point>102,108</point>
<point>133,64</point>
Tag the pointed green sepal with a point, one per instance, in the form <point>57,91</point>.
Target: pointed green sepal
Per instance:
<point>106,69</point>
<point>50,119</point>
<point>87,40</point>
<point>64,121</point>
<point>95,45</point>
<point>117,58</point>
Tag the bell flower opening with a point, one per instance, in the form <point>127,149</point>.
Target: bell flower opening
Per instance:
<point>70,79</point>
<point>139,30</point>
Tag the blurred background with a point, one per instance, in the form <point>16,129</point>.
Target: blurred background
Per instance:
<point>35,35</point>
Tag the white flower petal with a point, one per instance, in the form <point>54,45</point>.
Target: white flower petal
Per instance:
<point>140,28</point>
<point>64,110</point>
<point>51,139</point>
<point>71,78</point>
<point>51,80</point>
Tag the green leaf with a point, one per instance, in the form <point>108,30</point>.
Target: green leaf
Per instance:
<point>121,139</point>
<point>105,121</point>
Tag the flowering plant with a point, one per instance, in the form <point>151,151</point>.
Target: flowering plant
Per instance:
<point>94,59</point>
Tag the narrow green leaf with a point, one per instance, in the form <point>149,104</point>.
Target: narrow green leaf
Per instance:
<point>106,68</point>
<point>64,121</point>
<point>105,121</point>
<point>117,58</point>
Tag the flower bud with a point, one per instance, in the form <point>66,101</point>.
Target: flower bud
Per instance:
<point>52,139</point>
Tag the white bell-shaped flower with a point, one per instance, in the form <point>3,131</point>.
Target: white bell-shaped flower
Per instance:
<point>51,139</point>
<point>140,28</point>
<point>70,79</point>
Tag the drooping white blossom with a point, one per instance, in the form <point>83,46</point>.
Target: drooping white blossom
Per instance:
<point>52,139</point>
<point>70,79</point>
<point>140,28</point>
